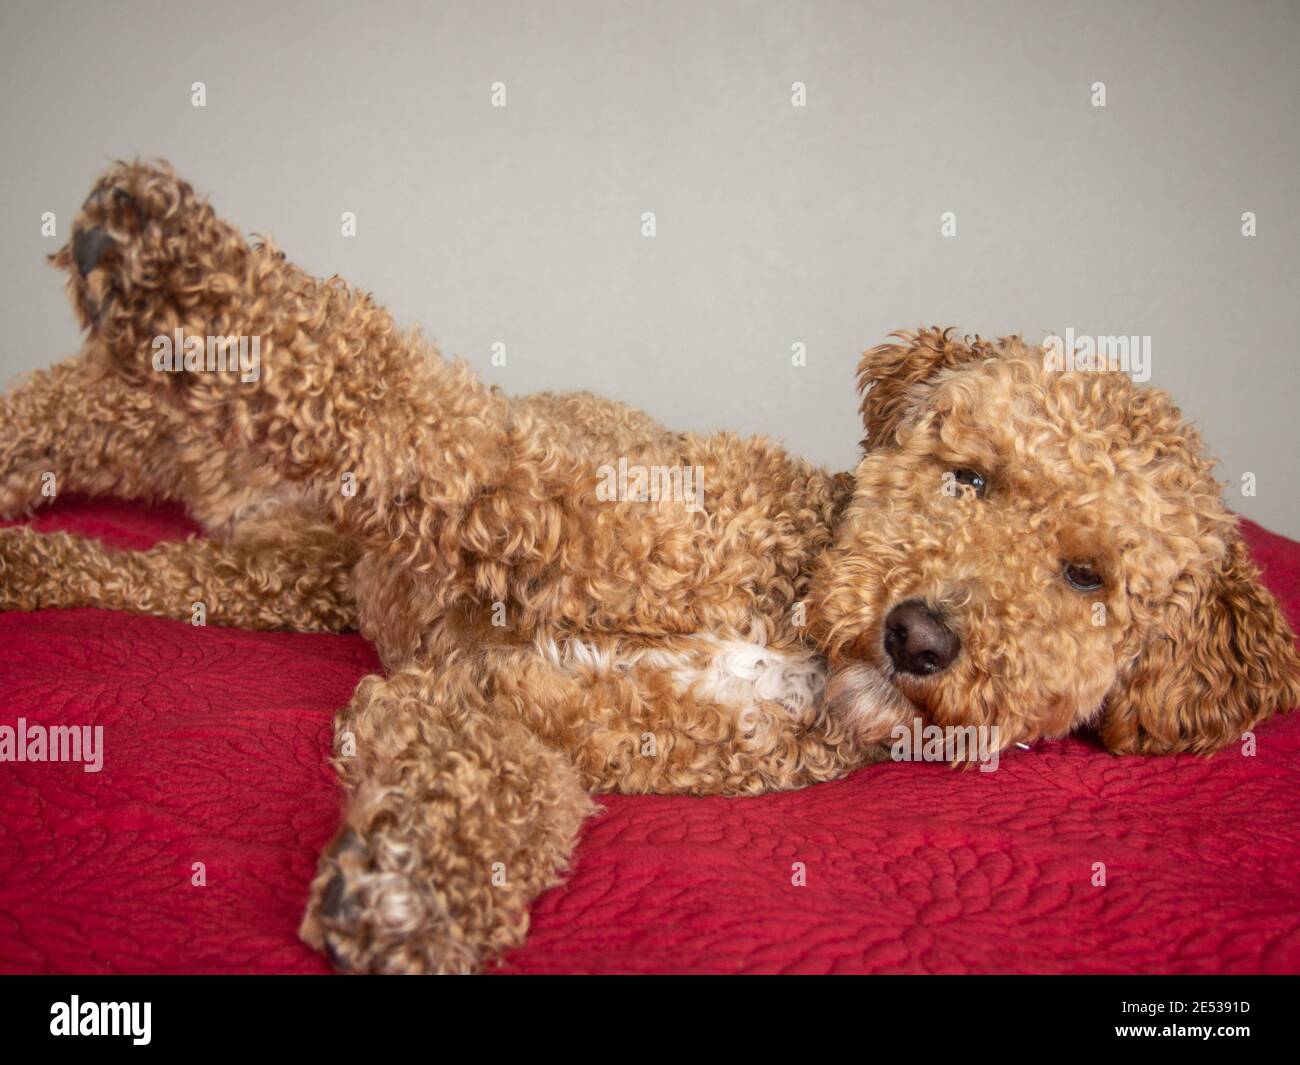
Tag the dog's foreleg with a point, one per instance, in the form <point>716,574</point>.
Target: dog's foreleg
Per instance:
<point>457,816</point>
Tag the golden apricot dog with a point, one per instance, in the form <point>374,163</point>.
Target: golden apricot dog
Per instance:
<point>1018,548</point>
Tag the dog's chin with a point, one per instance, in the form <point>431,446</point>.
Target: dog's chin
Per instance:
<point>867,701</point>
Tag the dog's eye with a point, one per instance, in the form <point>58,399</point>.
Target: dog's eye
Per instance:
<point>1081,576</point>
<point>970,477</point>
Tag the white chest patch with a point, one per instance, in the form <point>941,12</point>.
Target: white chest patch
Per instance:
<point>735,672</point>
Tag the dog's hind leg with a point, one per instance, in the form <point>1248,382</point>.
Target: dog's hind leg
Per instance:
<point>284,572</point>
<point>408,454</point>
<point>456,495</point>
<point>75,428</point>
<point>320,385</point>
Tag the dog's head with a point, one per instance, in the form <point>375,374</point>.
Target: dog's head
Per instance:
<point>1040,550</point>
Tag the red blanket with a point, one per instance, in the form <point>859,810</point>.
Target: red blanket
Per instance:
<point>214,752</point>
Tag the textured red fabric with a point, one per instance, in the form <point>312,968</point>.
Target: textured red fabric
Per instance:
<point>215,744</point>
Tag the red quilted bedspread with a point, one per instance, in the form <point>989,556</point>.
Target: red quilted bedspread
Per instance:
<point>214,751</point>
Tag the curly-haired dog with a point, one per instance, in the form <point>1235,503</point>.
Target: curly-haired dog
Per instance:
<point>1018,548</point>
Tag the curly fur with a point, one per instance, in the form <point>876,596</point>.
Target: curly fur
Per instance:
<point>543,644</point>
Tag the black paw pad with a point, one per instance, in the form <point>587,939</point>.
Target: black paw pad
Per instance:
<point>331,902</point>
<point>88,248</point>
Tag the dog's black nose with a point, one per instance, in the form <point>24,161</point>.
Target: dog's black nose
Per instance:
<point>918,641</point>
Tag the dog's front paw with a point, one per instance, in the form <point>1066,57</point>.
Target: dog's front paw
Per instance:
<point>371,911</point>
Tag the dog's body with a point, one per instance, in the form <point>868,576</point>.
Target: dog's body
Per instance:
<point>1021,549</point>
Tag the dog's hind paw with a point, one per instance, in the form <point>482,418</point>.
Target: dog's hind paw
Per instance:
<point>146,254</point>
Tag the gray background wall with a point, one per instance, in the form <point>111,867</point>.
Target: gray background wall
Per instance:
<point>776,225</point>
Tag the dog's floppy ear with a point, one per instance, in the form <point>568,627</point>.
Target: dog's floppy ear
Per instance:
<point>1220,660</point>
<point>888,374</point>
